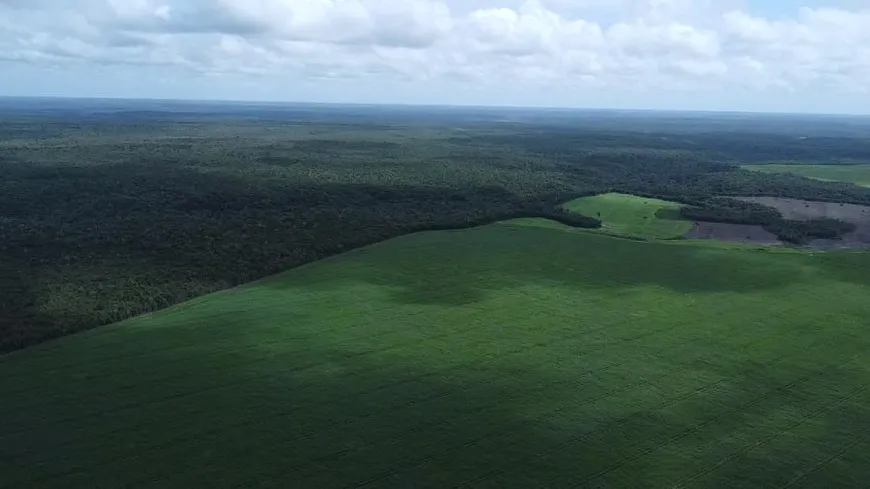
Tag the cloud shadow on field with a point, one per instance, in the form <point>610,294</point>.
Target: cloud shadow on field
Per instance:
<point>259,417</point>
<point>846,266</point>
<point>264,417</point>
<point>464,267</point>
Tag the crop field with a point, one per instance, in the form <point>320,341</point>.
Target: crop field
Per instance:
<point>633,216</point>
<point>857,174</point>
<point>496,357</point>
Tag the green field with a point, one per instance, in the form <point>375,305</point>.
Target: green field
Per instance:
<point>505,356</point>
<point>633,216</point>
<point>857,174</point>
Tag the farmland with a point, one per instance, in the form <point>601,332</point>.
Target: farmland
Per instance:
<point>512,356</point>
<point>198,294</point>
<point>633,216</point>
<point>857,174</point>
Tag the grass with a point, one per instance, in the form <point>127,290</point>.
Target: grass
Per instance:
<point>536,222</point>
<point>499,357</point>
<point>633,216</point>
<point>857,174</point>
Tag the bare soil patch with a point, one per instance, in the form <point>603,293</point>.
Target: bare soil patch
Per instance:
<point>738,233</point>
<point>803,210</point>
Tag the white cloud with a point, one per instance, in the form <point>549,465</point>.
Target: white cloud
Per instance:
<point>563,44</point>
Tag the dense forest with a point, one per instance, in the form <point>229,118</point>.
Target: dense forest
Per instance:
<point>109,211</point>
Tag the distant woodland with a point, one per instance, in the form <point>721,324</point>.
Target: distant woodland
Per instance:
<point>108,212</point>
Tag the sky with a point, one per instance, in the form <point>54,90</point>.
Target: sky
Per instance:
<point>738,55</point>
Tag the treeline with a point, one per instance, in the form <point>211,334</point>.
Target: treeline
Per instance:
<point>103,243</point>
<point>800,232</point>
<point>732,211</point>
<point>735,211</point>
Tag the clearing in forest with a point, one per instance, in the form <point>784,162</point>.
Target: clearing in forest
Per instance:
<point>857,174</point>
<point>633,216</point>
<point>803,210</point>
<point>497,357</point>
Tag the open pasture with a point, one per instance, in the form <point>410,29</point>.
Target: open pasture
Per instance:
<point>633,216</point>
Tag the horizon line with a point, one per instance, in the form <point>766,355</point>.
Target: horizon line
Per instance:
<point>427,105</point>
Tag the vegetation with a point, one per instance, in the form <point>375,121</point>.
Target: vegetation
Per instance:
<point>857,174</point>
<point>110,209</point>
<point>499,357</point>
<point>791,231</point>
<point>632,216</point>
<point>732,211</point>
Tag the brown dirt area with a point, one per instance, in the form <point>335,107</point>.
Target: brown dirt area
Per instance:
<point>739,233</point>
<point>858,215</point>
<point>795,209</point>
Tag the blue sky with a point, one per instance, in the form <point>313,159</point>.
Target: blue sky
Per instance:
<point>770,55</point>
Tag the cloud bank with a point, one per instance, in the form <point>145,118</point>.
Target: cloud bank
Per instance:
<point>671,45</point>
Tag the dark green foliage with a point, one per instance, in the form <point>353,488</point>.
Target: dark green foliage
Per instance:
<point>731,211</point>
<point>172,235</point>
<point>799,232</point>
<point>107,212</point>
<point>565,217</point>
<point>791,231</point>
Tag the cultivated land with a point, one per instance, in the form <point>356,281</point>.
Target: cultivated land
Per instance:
<point>496,357</point>
<point>857,174</point>
<point>633,216</point>
<point>803,210</point>
<point>737,233</point>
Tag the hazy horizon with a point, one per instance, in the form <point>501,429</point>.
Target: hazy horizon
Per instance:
<point>411,105</point>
